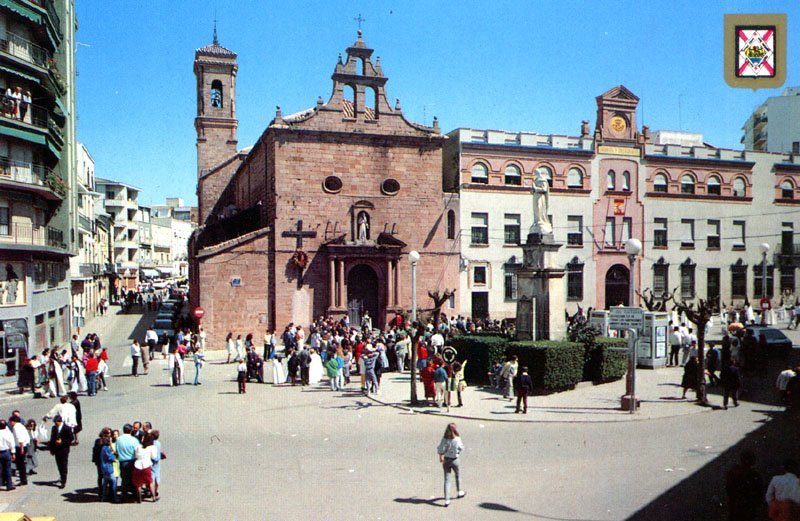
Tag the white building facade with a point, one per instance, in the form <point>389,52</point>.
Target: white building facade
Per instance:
<point>701,213</point>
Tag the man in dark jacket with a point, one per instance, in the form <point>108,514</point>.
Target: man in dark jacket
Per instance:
<point>305,363</point>
<point>731,377</point>
<point>523,385</point>
<point>61,439</point>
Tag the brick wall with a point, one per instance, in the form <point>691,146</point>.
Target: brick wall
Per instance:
<point>242,309</point>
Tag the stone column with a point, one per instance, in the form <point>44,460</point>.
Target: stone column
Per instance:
<point>342,285</point>
<point>331,282</point>
<point>396,296</point>
<point>389,283</point>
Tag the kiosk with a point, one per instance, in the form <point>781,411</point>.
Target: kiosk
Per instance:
<point>653,342</point>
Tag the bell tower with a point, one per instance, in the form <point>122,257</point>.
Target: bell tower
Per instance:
<point>215,68</point>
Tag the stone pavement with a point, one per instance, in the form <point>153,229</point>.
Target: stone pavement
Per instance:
<point>658,390</point>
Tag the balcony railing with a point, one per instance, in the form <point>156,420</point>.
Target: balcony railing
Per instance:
<point>32,174</point>
<point>85,223</point>
<point>28,234</point>
<point>33,115</point>
<point>90,269</point>
<point>25,50</point>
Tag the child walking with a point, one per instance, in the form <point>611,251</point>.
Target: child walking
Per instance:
<point>449,449</point>
<point>242,377</point>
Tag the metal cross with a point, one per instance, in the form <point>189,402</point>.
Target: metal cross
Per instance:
<point>299,234</point>
<point>359,20</point>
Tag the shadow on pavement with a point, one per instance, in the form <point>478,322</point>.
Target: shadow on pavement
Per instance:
<point>702,495</point>
<point>497,507</point>
<point>82,495</point>
<point>420,501</point>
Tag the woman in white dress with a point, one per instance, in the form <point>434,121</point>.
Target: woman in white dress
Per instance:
<point>278,373</point>
<point>300,336</point>
<point>315,369</point>
<point>230,345</point>
<point>239,348</point>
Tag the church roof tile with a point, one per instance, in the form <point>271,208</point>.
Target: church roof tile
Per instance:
<point>215,49</point>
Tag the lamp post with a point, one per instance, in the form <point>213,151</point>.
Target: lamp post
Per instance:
<point>632,247</point>
<point>413,258</point>
<point>764,247</point>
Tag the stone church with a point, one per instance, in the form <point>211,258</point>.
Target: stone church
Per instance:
<point>319,215</point>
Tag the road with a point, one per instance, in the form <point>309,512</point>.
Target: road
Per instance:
<point>280,453</point>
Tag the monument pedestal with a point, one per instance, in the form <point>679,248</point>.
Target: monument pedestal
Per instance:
<point>542,291</point>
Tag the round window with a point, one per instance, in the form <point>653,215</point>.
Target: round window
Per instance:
<point>332,184</point>
<point>390,186</point>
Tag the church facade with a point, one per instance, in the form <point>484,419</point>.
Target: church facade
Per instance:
<point>319,215</point>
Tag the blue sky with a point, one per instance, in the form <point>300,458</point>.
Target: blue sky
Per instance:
<point>519,66</point>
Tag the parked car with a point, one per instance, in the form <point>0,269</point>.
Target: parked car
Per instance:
<point>777,342</point>
<point>164,326</point>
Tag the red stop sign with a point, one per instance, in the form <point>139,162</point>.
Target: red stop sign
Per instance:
<point>199,312</point>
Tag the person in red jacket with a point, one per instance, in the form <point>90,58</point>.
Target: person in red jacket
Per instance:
<point>92,364</point>
<point>422,355</point>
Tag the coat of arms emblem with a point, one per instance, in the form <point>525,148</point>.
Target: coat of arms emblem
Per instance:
<point>755,56</point>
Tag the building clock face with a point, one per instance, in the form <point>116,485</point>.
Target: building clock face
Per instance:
<point>618,124</point>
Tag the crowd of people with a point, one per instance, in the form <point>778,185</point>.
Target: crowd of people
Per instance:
<point>128,464</point>
<point>81,368</point>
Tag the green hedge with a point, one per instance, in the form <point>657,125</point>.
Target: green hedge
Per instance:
<point>606,365</point>
<point>553,366</point>
<point>481,351</point>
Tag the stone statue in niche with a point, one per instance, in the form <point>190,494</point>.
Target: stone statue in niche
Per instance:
<point>541,205</point>
<point>363,227</point>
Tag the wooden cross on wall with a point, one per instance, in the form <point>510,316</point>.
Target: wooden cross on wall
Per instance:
<point>299,234</point>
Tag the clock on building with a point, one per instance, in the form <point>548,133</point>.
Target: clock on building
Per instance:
<point>618,124</point>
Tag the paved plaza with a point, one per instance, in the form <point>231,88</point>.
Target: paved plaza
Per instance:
<point>280,453</point>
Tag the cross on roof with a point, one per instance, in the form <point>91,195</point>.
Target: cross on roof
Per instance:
<point>299,234</point>
<point>359,19</point>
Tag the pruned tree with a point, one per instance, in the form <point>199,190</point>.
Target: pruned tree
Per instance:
<point>652,302</point>
<point>438,302</point>
<point>699,315</point>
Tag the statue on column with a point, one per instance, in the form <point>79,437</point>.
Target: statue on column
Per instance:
<point>541,205</point>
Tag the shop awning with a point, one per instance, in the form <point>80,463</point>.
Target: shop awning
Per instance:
<point>150,273</point>
<point>20,74</point>
<point>22,10</point>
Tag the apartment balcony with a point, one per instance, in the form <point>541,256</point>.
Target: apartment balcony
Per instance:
<point>35,123</point>
<point>760,121</point>
<point>91,269</point>
<point>126,243</point>
<point>85,224</point>
<point>29,237</point>
<point>44,13</point>
<point>26,51</point>
<point>761,137</point>
<point>32,178</point>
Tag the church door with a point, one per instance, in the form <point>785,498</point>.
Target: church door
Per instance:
<point>617,286</point>
<point>362,295</point>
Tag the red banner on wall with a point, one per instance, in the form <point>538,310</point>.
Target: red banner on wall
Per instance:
<point>619,206</point>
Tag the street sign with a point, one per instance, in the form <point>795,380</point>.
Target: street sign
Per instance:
<point>199,312</point>
<point>449,354</point>
<point>626,318</point>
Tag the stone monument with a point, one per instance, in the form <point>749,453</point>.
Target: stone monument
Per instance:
<point>540,282</point>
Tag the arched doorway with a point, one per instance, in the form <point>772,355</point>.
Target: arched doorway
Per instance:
<point>617,286</point>
<point>362,294</point>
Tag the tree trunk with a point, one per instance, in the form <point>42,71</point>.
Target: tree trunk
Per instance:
<point>701,366</point>
<point>413,399</point>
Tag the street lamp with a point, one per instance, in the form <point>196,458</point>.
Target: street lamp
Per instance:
<point>413,258</point>
<point>764,247</point>
<point>632,247</point>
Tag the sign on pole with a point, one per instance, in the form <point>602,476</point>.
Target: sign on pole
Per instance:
<point>626,318</point>
<point>199,312</point>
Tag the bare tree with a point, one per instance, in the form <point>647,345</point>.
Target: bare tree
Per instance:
<point>438,302</point>
<point>699,315</point>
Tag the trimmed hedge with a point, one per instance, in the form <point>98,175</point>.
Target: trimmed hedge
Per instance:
<point>553,366</point>
<point>481,351</point>
<point>607,365</point>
